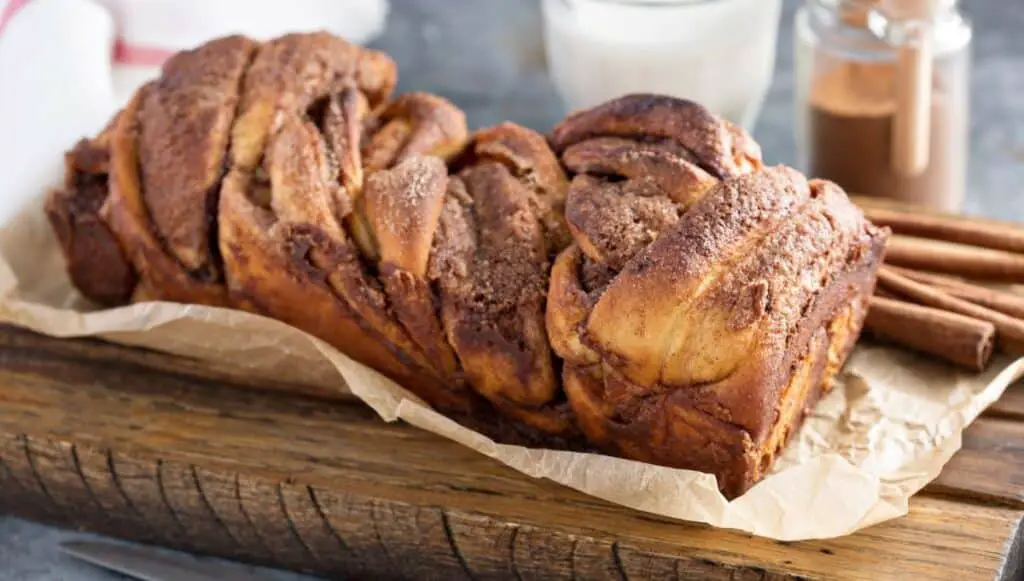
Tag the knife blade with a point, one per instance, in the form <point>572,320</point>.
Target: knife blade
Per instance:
<point>147,564</point>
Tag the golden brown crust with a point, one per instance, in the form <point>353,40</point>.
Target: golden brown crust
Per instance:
<point>289,74</point>
<point>720,148</point>
<point>415,124</point>
<point>168,154</point>
<point>528,157</point>
<point>391,221</point>
<point>663,169</point>
<point>184,123</point>
<point>492,290</point>
<point>675,302</point>
<point>697,317</point>
<point>330,214</point>
<point>654,315</point>
<point>356,205</point>
<point>269,273</point>
<point>674,428</point>
<point>299,190</point>
<point>160,275</point>
<point>569,304</point>
<point>640,162</point>
<point>403,207</point>
<point>501,222</point>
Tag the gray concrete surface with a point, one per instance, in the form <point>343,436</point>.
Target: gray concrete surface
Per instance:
<point>487,56</point>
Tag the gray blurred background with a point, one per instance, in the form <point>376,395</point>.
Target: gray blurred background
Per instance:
<point>488,57</point>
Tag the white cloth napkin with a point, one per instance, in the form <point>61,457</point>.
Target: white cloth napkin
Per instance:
<point>67,65</point>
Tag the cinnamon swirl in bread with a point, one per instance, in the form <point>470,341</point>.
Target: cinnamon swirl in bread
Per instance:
<point>637,283</point>
<point>96,263</point>
<point>501,225</point>
<point>707,301</point>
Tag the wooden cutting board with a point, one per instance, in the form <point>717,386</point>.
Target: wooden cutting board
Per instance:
<point>162,450</point>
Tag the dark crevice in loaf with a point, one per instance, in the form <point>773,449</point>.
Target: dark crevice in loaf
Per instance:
<point>364,267</point>
<point>653,119</point>
<point>504,273</point>
<point>594,276</point>
<point>96,262</point>
<point>363,278</point>
<point>491,259</point>
<point>259,191</point>
<point>213,194</point>
<point>165,107</point>
<point>529,160</point>
<point>626,192</point>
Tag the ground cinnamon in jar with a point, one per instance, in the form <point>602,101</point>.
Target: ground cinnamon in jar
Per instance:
<point>852,124</point>
<point>851,93</point>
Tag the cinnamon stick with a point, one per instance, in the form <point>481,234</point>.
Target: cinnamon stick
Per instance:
<point>964,230</point>
<point>952,258</point>
<point>956,338</point>
<point>1010,330</point>
<point>1006,303</point>
<point>881,292</point>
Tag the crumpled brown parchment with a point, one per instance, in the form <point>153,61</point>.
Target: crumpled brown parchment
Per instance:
<point>884,432</point>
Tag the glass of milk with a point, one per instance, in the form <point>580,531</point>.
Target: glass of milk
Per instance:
<point>720,53</point>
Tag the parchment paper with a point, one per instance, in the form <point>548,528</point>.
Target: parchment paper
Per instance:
<point>883,433</point>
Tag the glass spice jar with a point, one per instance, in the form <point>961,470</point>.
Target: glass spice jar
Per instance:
<point>883,97</point>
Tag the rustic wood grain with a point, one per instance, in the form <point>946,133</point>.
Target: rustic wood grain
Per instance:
<point>990,465</point>
<point>178,456</point>
<point>1011,405</point>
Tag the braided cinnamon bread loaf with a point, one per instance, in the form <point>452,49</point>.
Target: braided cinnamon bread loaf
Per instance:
<point>675,302</point>
<point>707,302</point>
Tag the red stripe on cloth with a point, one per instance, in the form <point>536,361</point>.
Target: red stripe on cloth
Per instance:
<point>9,11</point>
<point>134,54</point>
<point>124,53</point>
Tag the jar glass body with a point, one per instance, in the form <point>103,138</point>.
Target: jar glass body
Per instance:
<point>720,53</point>
<point>847,76</point>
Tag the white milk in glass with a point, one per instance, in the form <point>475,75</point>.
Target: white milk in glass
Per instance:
<point>720,53</point>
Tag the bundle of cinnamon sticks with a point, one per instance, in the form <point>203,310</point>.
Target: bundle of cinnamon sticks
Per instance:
<point>935,292</point>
